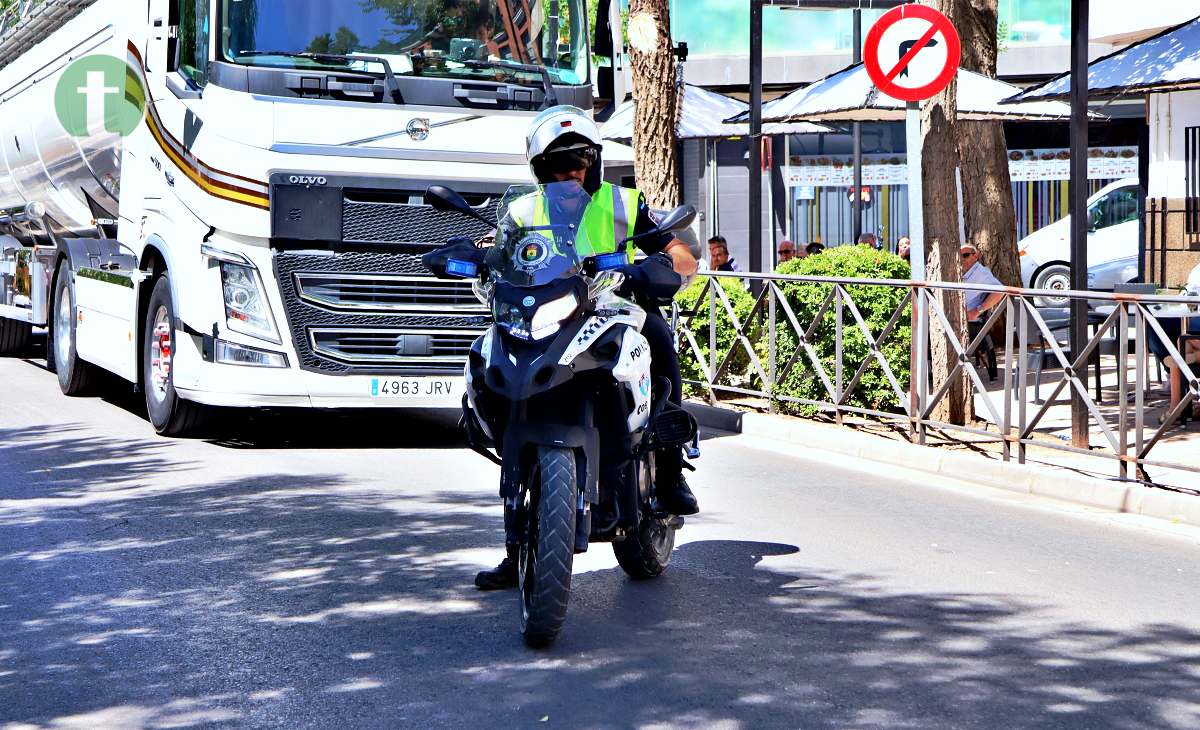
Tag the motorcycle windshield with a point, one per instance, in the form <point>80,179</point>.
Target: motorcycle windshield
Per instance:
<point>538,232</point>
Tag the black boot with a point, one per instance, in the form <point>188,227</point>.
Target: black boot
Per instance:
<point>503,575</point>
<point>674,494</point>
<point>680,500</point>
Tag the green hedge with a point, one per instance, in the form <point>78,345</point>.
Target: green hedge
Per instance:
<point>876,304</point>
<point>739,372</point>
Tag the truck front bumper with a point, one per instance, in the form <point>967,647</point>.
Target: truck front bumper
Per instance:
<point>220,384</point>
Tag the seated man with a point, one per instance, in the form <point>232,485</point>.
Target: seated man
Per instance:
<point>974,272</point>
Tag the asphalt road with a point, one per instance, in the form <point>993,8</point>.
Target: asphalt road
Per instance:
<point>315,570</point>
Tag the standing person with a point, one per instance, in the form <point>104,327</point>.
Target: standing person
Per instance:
<point>787,251</point>
<point>974,272</point>
<point>904,247</point>
<point>869,239</point>
<point>814,248</point>
<point>718,255</point>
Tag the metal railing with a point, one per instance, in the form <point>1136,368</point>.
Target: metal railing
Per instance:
<point>775,343</point>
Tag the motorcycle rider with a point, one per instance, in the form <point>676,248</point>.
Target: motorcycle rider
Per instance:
<point>564,144</point>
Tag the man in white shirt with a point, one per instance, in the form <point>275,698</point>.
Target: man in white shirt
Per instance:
<point>974,272</point>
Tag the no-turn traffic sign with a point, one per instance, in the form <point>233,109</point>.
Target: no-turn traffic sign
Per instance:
<point>911,52</point>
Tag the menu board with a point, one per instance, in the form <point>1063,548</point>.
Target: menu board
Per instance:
<point>1104,163</point>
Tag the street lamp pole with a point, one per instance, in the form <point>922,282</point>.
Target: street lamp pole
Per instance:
<point>1078,203</point>
<point>756,211</point>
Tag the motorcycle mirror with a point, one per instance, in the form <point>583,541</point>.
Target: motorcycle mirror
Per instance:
<point>446,200</point>
<point>678,219</point>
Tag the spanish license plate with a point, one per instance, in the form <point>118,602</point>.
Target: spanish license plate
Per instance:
<point>414,387</point>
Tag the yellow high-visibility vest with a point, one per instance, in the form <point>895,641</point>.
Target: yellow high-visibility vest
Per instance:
<point>608,220</point>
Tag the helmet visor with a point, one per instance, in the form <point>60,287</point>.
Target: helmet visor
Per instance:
<point>569,160</point>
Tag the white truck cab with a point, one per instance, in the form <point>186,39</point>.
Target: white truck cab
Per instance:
<point>254,240</point>
<point>1113,214</point>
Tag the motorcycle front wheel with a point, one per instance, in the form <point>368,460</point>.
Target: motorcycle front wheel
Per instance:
<point>549,548</point>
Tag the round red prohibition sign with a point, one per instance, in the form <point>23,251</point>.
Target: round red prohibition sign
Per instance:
<point>911,52</point>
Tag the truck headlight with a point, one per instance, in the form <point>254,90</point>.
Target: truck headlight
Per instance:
<point>246,307</point>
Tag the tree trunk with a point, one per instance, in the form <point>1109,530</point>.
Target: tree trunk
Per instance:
<point>939,150</point>
<point>991,218</point>
<point>656,98</point>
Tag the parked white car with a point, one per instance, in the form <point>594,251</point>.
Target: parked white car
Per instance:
<point>1106,276</point>
<point>1112,235</point>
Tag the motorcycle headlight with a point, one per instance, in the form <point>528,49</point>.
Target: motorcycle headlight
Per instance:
<point>546,320</point>
<point>246,307</point>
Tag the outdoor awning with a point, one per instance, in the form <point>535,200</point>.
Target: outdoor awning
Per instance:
<point>701,118</point>
<point>850,96</point>
<point>1169,61</point>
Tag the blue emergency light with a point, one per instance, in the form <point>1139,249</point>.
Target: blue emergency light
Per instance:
<point>462,269</point>
<point>610,261</point>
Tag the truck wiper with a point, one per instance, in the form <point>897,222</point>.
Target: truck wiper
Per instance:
<point>551,99</point>
<point>390,84</point>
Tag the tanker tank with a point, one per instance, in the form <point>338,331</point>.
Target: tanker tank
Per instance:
<point>76,179</point>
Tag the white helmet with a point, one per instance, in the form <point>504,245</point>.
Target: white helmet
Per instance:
<point>559,128</point>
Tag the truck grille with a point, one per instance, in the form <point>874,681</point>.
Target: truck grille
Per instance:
<point>347,312</point>
<point>365,221</point>
<point>386,293</point>
<point>392,346</point>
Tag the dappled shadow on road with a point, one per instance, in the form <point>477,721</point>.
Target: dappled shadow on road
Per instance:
<point>64,465</point>
<point>285,601</point>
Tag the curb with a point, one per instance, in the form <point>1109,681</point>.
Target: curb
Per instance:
<point>1102,494</point>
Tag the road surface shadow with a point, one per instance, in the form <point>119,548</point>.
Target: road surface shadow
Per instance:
<point>283,601</point>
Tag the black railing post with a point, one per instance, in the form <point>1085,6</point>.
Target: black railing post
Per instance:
<point>756,212</point>
<point>1079,223</point>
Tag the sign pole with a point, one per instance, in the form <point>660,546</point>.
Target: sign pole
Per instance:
<point>916,235</point>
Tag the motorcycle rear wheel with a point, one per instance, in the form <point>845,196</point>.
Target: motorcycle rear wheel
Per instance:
<point>549,548</point>
<point>646,552</point>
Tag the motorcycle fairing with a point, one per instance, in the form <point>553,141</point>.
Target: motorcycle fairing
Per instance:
<point>633,372</point>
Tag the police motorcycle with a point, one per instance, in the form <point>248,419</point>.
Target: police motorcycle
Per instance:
<point>561,385</point>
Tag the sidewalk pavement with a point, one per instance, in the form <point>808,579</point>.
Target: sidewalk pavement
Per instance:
<point>1078,479</point>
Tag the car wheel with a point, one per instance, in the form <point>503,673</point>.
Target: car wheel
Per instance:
<point>1055,278</point>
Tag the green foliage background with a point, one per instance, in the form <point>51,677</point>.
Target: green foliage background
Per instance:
<point>875,303</point>
<point>739,373</point>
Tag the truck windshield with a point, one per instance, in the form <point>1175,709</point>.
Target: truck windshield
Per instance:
<point>417,37</point>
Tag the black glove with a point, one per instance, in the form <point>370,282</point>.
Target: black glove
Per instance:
<point>460,248</point>
<point>653,277</point>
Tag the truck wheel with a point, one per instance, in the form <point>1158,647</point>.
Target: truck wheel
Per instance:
<point>169,414</point>
<point>14,336</point>
<point>1056,277</point>
<point>74,375</point>
<point>549,548</point>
